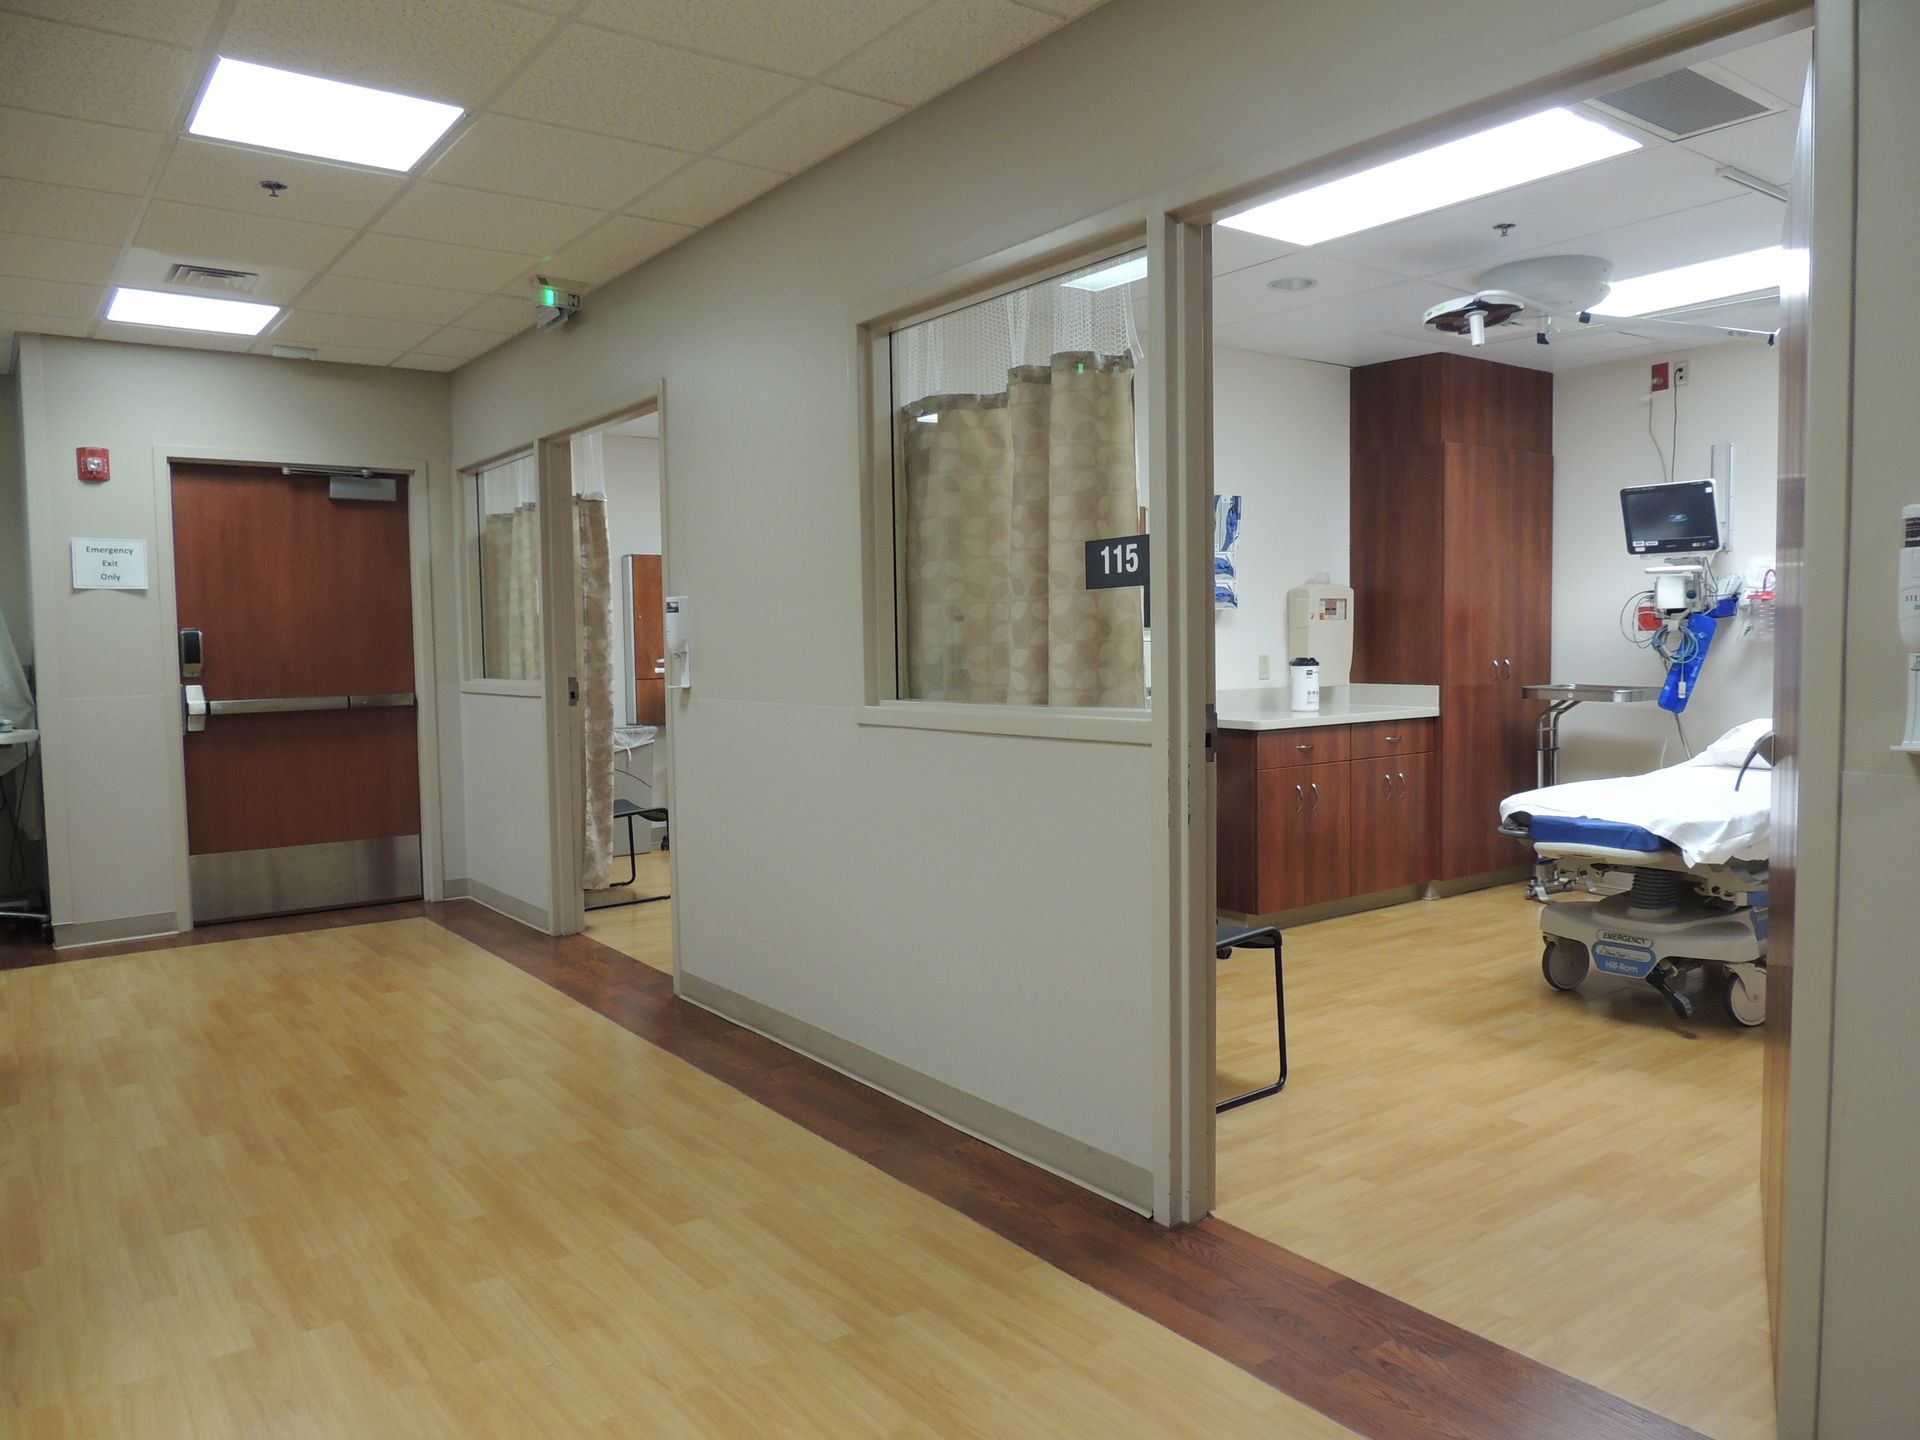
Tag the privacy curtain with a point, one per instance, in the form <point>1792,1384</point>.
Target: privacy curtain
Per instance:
<point>510,571</point>
<point>595,612</point>
<point>1000,494</point>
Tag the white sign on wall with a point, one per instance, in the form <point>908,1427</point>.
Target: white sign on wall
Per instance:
<point>109,564</point>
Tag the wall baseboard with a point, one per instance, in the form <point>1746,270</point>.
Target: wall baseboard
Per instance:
<point>499,900</point>
<point>1119,1180</point>
<point>107,932</point>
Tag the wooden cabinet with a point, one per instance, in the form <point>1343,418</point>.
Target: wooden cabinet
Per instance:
<point>1298,824</point>
<point>1452,544</point>
<point>1392,809</point>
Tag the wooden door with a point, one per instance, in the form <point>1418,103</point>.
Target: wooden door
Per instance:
<point>1304,818</point>
<point>649,657</point>
<point>302,601</point>
<point>1392,800</point>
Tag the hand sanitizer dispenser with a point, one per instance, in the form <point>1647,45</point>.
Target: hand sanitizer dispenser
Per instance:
<point>1320,624</point>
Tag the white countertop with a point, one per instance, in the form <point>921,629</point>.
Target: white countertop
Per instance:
<point>1267,709</point>
<point>18,737</point>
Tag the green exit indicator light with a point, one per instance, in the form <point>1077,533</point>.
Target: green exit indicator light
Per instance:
<point>549,295</point>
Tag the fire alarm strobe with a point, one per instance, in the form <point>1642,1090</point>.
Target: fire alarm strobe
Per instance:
<point>92,464</point>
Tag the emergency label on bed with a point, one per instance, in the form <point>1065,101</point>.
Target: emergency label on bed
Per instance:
<point>1616,957</point>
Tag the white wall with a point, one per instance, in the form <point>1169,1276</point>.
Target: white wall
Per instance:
<point>1280,441</point>
<point>108,672</point>
<point>1600,445</point>
<point>981,912</point>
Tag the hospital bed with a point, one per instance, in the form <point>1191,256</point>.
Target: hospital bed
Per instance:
<point>1678,858</point>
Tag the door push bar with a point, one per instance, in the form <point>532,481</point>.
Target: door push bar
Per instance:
<point>197,707</point>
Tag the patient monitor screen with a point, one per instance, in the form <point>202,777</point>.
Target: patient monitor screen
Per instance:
<point>1671,519</point>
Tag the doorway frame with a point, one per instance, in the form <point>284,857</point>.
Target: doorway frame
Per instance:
<point>420,486</point>
<point>1798,1252</point>
<point>560,579</point>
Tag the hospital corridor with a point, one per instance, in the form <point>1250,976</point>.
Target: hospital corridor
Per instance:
<point>958,718</point>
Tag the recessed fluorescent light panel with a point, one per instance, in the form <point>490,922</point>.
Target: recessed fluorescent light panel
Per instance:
<point>306,115</point>
<point>1125,273</point>
<point>1752,273</point>
<point>189,312</point>
<point>1546,144</point>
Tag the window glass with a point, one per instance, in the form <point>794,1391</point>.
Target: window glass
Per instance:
<point>506,502</point>
<point>1014,451</point>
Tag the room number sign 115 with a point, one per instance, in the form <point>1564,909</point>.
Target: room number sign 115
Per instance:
<point>1118,563</point>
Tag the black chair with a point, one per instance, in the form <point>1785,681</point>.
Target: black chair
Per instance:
<point>1231,935</point>
<point>628,811</point>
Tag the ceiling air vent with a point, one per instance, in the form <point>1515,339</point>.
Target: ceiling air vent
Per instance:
<point>212,277</point>
<point>1682,104</point>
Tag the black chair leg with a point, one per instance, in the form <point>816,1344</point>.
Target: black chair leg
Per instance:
<point>1280,1025</point>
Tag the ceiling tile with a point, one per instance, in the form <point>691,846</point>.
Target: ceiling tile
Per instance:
<point>801,37</point>
<point>941,46</point>
<point>89,75</point>
<point>418,361</point>
<point>1237,249</point>
<point>1366,313</point>
<point>1741,222</point>
<point>36,257</point>
<point>612,84</point>
<point>1762,147</point>
<point>502,314</point>
<point>332,354</point>
<point>1778,65</point>
<point>227,176</point>
<point>350,295</point>
<point>462,344</point>
<point>65,213</point>
<point>61,151</point>
<point>615,248</point>
<point>175,339</point>
<point>809,128</point>
<point>454,50</point>
<point>173,22</point>
<point>1243,294</point>
<point>405,261</point>
<point>455,215</point>
<point>226,237</point>
<point>704,191</point>
<point>310,327</point>
<point>1654,181</point>
<point>53,298</point>
<point>524,157</point>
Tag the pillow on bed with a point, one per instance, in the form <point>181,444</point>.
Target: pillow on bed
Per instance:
<point>1732,748</point>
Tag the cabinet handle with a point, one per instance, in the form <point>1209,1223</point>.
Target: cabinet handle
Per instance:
<point>1299,798</point>
<point>1303,749</point>
<point>1391,739</point>
<point>1403,783</point>
<point>1387,782</point>
<point>1496,669</point>
<point>1316,794</point>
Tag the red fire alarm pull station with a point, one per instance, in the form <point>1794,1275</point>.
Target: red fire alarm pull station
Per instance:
<point>1661,376</point>
<point>92,463</point>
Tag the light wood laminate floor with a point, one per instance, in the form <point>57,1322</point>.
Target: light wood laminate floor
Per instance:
<point>376,1182</point>
<point>643,931</point>
<point>1573,1176</point>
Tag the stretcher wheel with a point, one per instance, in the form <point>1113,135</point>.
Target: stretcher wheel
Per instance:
<point>1564,963</point>
<point>1745,994</point>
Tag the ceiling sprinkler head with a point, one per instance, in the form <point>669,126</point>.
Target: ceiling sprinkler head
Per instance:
<point>273,188</point>
<point>1506,228</point>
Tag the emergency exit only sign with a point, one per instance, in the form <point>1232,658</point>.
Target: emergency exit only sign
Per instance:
<point>100,564</point>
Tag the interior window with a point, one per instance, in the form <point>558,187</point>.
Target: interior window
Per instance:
<point>1020,555</point>
<point>506,504</point>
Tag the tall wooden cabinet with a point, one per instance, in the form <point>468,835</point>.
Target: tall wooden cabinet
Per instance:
<point>1452,556</point>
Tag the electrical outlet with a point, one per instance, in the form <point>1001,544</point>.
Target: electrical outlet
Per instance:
<point>1679,372</point>
<point>1266,667</point>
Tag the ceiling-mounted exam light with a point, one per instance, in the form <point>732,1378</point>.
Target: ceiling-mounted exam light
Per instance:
<point>1520,151</point>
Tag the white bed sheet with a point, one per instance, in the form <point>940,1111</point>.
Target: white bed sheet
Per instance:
<point>1694,805</point>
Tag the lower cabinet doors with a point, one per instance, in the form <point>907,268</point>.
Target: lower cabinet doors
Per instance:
<point>1392,809</point>
<point>1305,825</point>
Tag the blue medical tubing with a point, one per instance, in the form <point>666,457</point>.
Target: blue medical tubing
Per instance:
<point>1683,676</point>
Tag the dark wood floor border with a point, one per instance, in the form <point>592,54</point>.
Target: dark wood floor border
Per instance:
<point>1366,1360</point>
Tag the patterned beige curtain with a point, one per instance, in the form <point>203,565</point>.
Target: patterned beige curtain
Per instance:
<point>510,594</point>
<point>596,686</point>
<point>1000,495</point>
